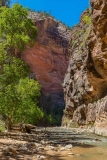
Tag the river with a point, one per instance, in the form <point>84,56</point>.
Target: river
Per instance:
<point>86,146</point>
<point>53,143</point>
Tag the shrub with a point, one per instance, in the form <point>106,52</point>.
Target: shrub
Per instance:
<point>86,19</point>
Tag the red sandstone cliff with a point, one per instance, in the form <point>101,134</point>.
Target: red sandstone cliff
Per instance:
<point>48,58</point>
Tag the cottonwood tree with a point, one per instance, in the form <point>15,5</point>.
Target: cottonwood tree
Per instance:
<point>16,29</point>
<point>18,93</point>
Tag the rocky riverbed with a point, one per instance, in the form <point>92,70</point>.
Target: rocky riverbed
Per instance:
<point>52,144</point>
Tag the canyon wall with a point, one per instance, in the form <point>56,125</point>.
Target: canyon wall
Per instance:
<point>48,58</point>
<point>85,83</point>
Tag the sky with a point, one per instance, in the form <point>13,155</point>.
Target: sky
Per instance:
<point>67,11</point>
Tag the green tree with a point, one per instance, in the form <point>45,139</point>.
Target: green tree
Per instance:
<point>16,30</point>
<point>18,93</point>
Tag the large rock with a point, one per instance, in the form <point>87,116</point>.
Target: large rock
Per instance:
<point>48,58</point>
<point>85,83</point>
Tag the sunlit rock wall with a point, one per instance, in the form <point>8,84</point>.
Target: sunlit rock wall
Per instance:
<point>48,58</point>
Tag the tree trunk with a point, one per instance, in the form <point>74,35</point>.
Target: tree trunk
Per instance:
<point>9,123</point>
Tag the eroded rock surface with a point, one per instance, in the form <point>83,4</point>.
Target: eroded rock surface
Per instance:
<point>76,84</point>
<point>48,58</point>
<point>85,83</point>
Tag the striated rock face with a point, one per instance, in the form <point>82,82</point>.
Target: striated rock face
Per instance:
<point>97,43</point>
<point>48,58</point>
<point>85,83</point>
<point>76,84</point>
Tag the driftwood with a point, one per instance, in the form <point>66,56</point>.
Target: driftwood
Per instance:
<point>27,128</point>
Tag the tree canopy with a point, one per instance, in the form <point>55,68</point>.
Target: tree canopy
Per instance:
<point>18,92</point>
<point>16,30</point>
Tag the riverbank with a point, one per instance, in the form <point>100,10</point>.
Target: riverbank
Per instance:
<point>55,143</point>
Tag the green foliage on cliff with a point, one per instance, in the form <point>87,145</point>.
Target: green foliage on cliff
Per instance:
<point>87,19</point>
<point>18,92</point>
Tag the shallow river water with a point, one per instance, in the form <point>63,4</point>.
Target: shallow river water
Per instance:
<point>86,146</point>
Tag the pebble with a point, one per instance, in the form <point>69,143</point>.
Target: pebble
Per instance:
<point>69,146</point>
<point>70,153</point>
<point>37,144</point>
<point>20,156</point>
<point>9,149</point>
<point>43,142</point>
<point>23,148</point>
<point>40,157</point>
<point>77,154</point>
<point>41,148</point>
<point>51,147</point>
<point>62,149</point>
